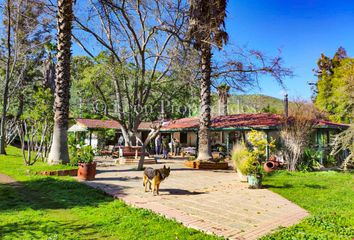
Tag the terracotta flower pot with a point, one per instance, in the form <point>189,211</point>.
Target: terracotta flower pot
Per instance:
<point>86,171</point>
<point>270,166</point>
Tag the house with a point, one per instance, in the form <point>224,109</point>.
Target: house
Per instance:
<point>88,130</point>
<point>225,130</point>
<point>228,130</point>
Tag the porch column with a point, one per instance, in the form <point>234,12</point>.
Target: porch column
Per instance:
<point>90,137</point>
<point>319,143</point>
<point>227,142</point>
<point>196,148</point>
<point>172,147</point>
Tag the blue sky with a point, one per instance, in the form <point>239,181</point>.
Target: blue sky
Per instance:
<point>302,29</point>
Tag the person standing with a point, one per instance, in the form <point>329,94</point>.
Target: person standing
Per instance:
<point>165,147</point>
<point>121,141</point>
<point>176,145</point>
<point>171,146</point>
<point>158,144</point>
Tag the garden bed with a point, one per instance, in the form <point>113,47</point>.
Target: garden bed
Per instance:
<point>207,165</point>
<point>70,172</point>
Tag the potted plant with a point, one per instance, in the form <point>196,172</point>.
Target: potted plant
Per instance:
<point>253,170</point>
<point>87,167</point>
<point>258,145</point>
<point>249,160</point>
<point>247,166</point>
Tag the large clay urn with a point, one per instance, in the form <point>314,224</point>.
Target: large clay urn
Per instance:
<point>86,171</point>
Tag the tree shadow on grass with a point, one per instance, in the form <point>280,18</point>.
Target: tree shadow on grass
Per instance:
<point>315,186</point>
<point>50,193</point>
<point>49,229</point>
<point>286,185</point>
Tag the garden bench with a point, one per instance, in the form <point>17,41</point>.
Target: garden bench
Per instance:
<point>107,151</point>
<point>127,151</point>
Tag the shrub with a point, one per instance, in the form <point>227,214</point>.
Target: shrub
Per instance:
<point>344,143</point>
<point>243,160</point>
<point>296,132</point>
<point>85,154</point>
<point>249,161</point>
<point>105,137</point>
<point>309,160</point>
<point>259,144</point>
<point>79,152</point>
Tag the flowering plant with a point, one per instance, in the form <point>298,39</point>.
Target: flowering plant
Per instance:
<point>250,160</point>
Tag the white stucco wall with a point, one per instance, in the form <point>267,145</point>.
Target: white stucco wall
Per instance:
<point>94,140</point>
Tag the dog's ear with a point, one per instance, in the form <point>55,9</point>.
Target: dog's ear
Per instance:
<point>164,166</point>
<point>169,168</point>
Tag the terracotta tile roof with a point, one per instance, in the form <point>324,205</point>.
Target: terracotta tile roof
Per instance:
<point>112,124</point>
<point>97,123</point>
<point>182,123</point>
<point>325,123</point>
<point>257,120</point>
<point>145,125</point>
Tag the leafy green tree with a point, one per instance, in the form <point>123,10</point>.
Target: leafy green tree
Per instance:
<point>21,48</point>
<point>35,126</point>
<point>269,109</point>
<point>342,99</point>
<point>94,97</point>
<point>82,93</point>
<point>334,88</point>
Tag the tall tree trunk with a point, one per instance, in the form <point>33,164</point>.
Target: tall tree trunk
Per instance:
<point>153,133</point>
<point>59,150</point>
<point>205,100</point>
<point>7,80</point>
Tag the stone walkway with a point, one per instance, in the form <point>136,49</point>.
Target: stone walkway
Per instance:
<point>5,179</point>
<point>215,202</point>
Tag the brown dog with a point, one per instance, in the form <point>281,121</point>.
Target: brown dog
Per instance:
<point>154,177</point>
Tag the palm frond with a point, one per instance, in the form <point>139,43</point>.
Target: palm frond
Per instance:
<point>207,22</point>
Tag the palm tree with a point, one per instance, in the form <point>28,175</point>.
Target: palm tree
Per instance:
<point>223,94</point>
<point>206,28</point>
<point>59,150</point>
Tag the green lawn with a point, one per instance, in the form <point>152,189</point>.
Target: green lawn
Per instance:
<point>329,198</point>
<point>61,208</point>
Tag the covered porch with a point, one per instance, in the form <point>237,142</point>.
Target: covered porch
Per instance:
<point>226,131</point>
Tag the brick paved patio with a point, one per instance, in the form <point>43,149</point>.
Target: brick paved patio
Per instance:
<point>211,201</point>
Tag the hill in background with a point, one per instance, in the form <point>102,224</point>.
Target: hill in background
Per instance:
<point>250,103</point>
